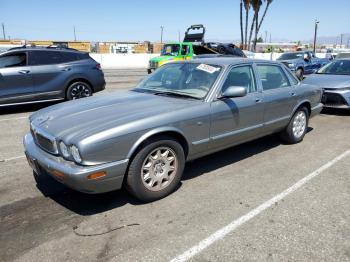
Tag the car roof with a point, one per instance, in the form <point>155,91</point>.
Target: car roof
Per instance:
<point>40,48</point>
<point>227,61</point>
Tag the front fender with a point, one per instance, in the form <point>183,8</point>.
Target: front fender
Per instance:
<point>153,132</point>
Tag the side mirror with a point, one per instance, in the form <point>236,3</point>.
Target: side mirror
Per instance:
<point>306,57</point>
<point>234,91</point>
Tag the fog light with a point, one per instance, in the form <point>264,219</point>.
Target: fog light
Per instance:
<point>96,175</point>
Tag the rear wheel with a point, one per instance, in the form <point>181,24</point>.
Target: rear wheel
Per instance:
<point>78,90</point>
<point>300,74</point>
<point>297,127</point>
<point>156,170</point>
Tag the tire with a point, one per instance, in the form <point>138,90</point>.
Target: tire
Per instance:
<point>297,127</point>
<point>300,74</point>
<point>152,173</point>
<point>78,90</point>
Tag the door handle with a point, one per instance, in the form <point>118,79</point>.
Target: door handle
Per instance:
<point>24,72</point>
<point>66,69</point>
<point>258,100</point>
<point>293,94</point>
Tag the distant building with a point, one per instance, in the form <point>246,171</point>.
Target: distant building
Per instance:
<point>268,47</point>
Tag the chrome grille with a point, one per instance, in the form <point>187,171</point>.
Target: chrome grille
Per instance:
<point>44,141</point>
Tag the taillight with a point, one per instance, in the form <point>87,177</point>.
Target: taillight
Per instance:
<point>98,66</point>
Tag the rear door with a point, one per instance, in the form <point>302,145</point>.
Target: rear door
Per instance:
<point>16,83</point>
<point>50,73</point>
<point>279,96</point>
<point>234,120</point>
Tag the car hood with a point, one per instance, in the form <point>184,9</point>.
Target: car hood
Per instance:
<point>328,81</point>
<point>162,58</point>
<point>289,61</point>
<point>88,116</point>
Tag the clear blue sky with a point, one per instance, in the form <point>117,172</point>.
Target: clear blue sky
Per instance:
<point>140,20</point>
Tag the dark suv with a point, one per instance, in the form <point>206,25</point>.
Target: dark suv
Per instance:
<point>33,74</point>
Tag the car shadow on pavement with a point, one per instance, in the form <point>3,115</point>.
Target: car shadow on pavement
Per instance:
<point>229,156</point>
<point>8,110</point>
<point>335,111</point>
<point>81,203</point>
<point>86,204</point>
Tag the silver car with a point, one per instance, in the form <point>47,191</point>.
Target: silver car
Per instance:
<point>184,110</point>
<point>334,78</point>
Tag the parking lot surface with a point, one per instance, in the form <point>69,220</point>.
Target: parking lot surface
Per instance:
<point>310,223</point>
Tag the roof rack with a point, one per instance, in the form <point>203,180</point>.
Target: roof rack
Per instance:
<point>61,47</point>
<point>48,47</point>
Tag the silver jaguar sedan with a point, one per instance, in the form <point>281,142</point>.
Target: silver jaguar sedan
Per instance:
<point>142,138</point>
<point>334,78</point>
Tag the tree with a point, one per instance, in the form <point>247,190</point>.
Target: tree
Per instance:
<point>241,21</point>
<point>255,24</point>
<point>246,7</point>
<point>268,3</point>
<point>256,7</point>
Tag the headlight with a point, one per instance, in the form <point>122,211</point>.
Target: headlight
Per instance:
<point>64,150</point>
<point>75,153</point>
<point>291,65</point>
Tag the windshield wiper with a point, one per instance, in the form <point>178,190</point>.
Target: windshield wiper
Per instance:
<point>166,93</point>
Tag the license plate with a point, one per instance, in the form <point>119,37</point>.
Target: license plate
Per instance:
<point>33,164</point>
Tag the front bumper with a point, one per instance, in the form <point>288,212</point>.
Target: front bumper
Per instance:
<point>316,110</point>
<point>75,176</point>
<point>336,99</point>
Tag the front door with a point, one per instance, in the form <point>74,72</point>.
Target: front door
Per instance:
<point>16,83</point>
<point>234,120</point>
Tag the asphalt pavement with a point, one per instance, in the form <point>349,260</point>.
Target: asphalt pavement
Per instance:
<point>260,201</point>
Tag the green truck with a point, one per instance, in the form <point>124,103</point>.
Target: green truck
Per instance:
<point>192,45</point>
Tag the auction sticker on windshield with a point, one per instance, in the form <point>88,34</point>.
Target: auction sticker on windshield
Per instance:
<point>208,68</point>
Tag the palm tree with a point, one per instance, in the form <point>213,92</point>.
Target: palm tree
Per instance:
<point>256,7</point>
<point>265,11</point>
<point>246,7</point>
<point>241,20</point>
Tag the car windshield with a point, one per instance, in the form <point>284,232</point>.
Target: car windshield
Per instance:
<point>289,56</point>
<point>337,67</point>
<point>172,50</point>
<point>187,80</point>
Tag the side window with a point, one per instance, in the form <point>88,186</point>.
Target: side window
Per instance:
<point>293,78</point>
<point>45,58</point>
<point>13,60</point>
<point>241,76</point>
<point>71,56</point>
<point>272,77</point>
<point>185,50</point>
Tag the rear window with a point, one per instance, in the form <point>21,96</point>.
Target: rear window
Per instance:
<point>71,56</point>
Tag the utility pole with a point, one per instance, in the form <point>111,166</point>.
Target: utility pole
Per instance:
<point>3,31</point>
<point>315,36</point>
<point>161,34</point>
<point>270,37</point>
<point>265,36</point>
<point>75,36</point>
<point>341,40</point>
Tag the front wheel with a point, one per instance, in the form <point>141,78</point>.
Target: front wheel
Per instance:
<point>297,127</point>
<point>156,170</point>
<point>78,90</point>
